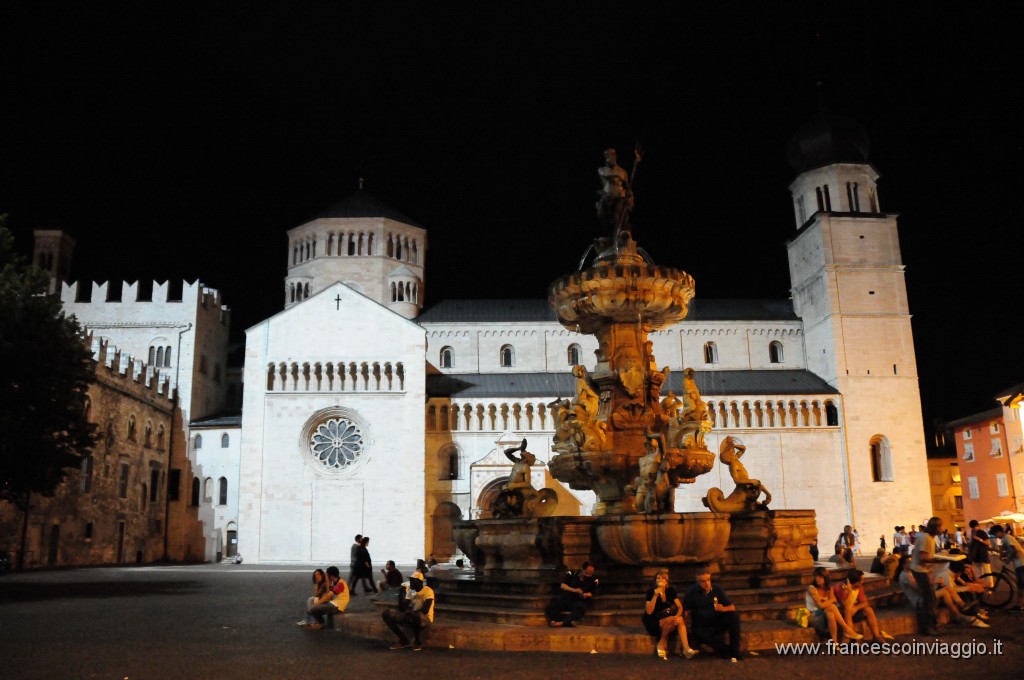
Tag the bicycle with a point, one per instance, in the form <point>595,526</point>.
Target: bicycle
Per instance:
<point>1002,585</point>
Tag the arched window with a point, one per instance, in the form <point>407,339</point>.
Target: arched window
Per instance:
<point>369,244</point>
<point>775,352</point>
<point>147,437</point>
<point>131,428</point>
<point>195,491</point>
<point>86,486</point>
<point>391,246</point>
<point>506,356</point>
<point>710,353</point>
<point>152,356</point>
<point>160,437</point>
<point>167,356</point>
<point>394,292</point>
<point>446,357</point>
<point>224,440</point>
<point>159,356</point>
<point>207,489</point>
<point>222,491</point>
<point>574,354</point>
<point>198,442</point>
<point>881,459</point>
<point>448,463</point>
<point>831,415</point>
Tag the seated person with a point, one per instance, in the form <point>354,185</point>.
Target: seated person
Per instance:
<point>713,617</point>
<point>392,577</point>
<point>855,605</point>
<point>568,605</point>
<point>319,588</point>
<point>415,612</point>
<point>876,564</point>
<point>821,602</point>
<point>945,596</point>
<point>663,615</point>
<point>839,558</point>
<point>333,601</point>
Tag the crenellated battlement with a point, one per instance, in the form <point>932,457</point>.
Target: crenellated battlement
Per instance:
<point>159,292</point>
<point>130,374</point>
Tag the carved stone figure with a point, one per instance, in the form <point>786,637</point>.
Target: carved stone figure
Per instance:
<point>615,200</point>
<point>655,486</point>
<point>744,496</point>
<point>518,498</point>
<point>691,421</point>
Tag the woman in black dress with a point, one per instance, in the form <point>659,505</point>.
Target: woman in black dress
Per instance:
<point>364,567</point>
<point>663,613</point>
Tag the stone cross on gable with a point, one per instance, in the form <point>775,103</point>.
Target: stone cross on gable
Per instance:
<point>337,301</point>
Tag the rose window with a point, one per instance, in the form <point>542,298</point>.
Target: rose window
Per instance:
<point>337,443</point>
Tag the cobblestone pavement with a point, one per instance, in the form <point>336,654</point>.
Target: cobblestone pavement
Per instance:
<point>238,621</point>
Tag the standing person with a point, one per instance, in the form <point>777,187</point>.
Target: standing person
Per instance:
<point>569,605</point>
<point>959,538</point>
<point>977,552</point>
<point>333,601</point>
<point>856,606</point>
<point>1014,556</point>
<point>897,543</point>
<point>415,612</point>
<point>712,616</point>
<point>663,614</point>
<point>319,588</point>
<point>881,542</point>
<point>821,602</point>
<point>353,560</point>
<point>364,567</point>
<point>845,542</point>
<point>856,543</point>
<point>813,549</point>
<point>921,570</point>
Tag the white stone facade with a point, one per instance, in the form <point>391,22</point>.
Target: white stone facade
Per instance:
<point>336,355</point>
<point>350,348</point>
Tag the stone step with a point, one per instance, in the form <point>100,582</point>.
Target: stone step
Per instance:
<point>490,636</point>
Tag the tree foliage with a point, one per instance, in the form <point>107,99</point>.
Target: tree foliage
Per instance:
<point>45,370</point>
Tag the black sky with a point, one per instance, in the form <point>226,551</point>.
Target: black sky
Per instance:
<point>175,143</point>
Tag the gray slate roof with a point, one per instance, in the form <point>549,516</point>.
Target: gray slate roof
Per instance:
<point>507,311</point>
<point>710,383</point>
<point>223,420</point>
<point>365,204</point>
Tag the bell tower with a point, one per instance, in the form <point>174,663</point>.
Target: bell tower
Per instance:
<point>52,252</point>
<point>849,289</point>
<point>365,244</point>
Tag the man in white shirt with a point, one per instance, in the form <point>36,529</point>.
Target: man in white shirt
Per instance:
<point>921,569</point>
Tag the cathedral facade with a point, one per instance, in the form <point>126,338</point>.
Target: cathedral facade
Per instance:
<point>363,412</point>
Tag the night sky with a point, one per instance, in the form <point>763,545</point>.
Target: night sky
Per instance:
<point>185,144</point>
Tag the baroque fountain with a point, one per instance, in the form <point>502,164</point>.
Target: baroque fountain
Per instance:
<point>632,433</point>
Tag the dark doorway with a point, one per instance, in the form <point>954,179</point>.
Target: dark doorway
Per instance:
<point>51,558</point>
<point>232,548</point>
<point>120,542</point>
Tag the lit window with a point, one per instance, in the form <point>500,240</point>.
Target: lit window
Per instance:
<point>710,353</point>
<point>881,460</point>
<point>997,448</point>
<point>969,452</point>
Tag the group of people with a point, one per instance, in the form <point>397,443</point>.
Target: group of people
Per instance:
<point>713,621</point>
<point>713,618</point>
